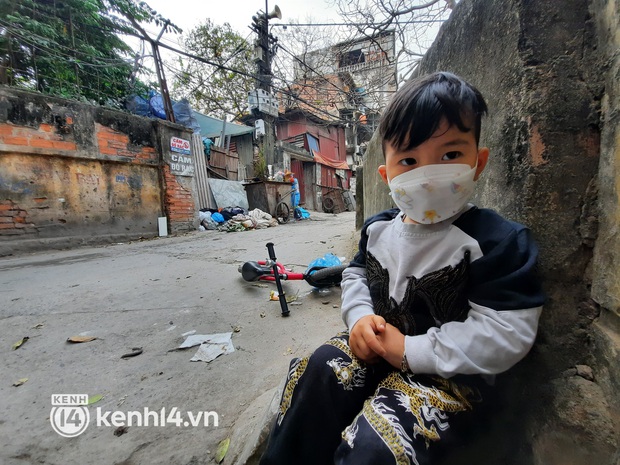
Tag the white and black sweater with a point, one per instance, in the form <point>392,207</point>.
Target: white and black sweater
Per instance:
<point>464,291</point>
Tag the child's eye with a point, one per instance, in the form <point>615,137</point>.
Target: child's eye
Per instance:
<point>451,156</point>
<point>408,161</point>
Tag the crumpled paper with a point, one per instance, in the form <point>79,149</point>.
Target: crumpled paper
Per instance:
<point>211,346</point>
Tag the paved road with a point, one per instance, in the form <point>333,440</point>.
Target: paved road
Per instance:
<point>146,294</point>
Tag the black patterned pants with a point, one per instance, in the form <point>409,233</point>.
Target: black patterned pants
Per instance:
<point>337,409</point>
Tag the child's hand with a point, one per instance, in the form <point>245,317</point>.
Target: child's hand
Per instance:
<point>363,338</point>
<point>393,342</point>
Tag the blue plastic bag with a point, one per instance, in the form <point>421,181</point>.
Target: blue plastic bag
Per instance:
<point>301,213</point>
<point>218,217</point>
<point>329,259</point>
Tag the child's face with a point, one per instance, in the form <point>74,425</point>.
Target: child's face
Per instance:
<point>447,145</point>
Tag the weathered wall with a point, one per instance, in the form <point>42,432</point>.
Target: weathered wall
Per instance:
<point>544,68</point>
<point>606,261</point>
<point>606,268</point>
<point>72,173</point>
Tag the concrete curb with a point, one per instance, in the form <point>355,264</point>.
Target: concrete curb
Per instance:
<point>251,430</point>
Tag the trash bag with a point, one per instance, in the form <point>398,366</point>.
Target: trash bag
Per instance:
<point>301,213</point>
<point>329,259</point>
<point>217,217</point>
<point>138,106</point>
<point>206,220</point>
<point>156,102</point>
<point>183,115</point>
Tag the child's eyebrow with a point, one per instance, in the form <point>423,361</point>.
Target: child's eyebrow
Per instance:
<point>454,142</point>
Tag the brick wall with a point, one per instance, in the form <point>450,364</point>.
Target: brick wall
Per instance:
<point>179,200</point>
<point>42,138</point>
<point>84,173</point>
<point>117,144</point>
<point>13,220</point>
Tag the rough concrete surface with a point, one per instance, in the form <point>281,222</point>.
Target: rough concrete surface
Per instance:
<point>146,294</point>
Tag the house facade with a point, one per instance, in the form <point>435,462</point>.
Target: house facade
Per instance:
<point>315,151</point>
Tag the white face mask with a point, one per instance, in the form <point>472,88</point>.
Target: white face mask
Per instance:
<point>433,193</point>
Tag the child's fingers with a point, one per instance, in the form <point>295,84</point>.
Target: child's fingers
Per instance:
<point>373,343</point>
<point>359,349</point>
<point>378,323</point>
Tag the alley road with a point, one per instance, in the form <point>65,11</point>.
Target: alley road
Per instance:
<point>146,295</point>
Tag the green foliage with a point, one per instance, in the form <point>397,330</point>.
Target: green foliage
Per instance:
<point>260,164</point>
<point>215,89</point>
<point>71,48</point>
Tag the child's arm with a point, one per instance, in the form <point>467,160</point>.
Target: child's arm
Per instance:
<point>358,313</point>
<point>505,304</point>
<point>357,306</point>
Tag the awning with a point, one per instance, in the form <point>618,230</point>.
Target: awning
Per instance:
<point>338,164</point>
<point>212,127</point>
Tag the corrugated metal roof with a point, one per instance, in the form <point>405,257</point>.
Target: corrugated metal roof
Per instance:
<point>212,127</point>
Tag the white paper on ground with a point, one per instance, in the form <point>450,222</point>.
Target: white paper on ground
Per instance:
<point>211,346</point>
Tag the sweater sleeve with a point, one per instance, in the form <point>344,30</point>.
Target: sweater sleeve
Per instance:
<point>356,300</point>
<point>505,303</point>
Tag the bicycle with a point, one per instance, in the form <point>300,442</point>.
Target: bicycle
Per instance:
<point>282,212</point>
<point>272,270</point>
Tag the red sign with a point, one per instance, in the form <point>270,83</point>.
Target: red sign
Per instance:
<point>180,145</point>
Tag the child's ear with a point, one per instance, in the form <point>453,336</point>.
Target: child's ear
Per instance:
<point>483,158</point>
<point>383,173</point>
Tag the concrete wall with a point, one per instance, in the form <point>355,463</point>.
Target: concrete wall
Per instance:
<point>544,68</point>
<point>606,268</point>
<point>72,173</point>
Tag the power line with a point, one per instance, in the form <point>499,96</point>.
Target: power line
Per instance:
<point>105,62</point>
<point>368,25</point>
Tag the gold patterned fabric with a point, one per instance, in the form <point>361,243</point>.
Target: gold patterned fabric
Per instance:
<point>360,414</point>
<point>407,413</point>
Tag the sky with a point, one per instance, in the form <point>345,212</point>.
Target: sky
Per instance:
<point>238,13</point>
<point>187,14</point>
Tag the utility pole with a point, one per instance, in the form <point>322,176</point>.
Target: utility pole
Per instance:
<point>161,77</point>
<point>262,101</point>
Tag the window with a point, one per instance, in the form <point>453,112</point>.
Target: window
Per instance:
<point>313,143</point>
<point>352,57</point>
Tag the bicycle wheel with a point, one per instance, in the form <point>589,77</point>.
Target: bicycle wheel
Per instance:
<point>282,212</point>
<point>326,277</point>
<point>328,205</point>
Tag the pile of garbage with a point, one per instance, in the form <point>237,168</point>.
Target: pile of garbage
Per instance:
<point>234,219</point>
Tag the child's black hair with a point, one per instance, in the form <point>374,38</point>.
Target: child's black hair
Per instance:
<point>417,108</point>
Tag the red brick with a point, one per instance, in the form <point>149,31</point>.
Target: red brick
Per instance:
<point>13,140</point>
<point>104,129</point>
<point>114,136</point>
<point>64,145</point>
<point>46,127</point>
<point>6,219</point>
<point>106,151</point>
<point>116,143</point>
<point>41,143</point>
<point>19,219</point>
<point>7,226</point>
<point>6,130</point>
